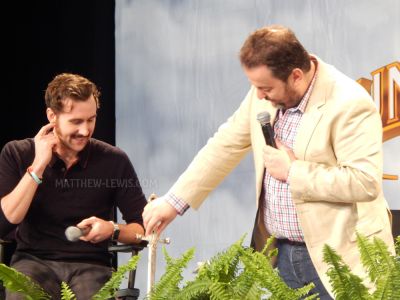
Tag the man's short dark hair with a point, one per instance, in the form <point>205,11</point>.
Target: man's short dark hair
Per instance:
<point>277,48</point>
<point>72,86</point>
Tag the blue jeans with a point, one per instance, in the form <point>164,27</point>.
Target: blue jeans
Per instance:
<point>296,268</point>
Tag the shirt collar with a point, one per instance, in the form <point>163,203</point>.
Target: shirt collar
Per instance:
<point>83,157</point>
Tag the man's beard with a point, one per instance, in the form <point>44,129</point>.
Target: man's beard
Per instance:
<point>292,99</point>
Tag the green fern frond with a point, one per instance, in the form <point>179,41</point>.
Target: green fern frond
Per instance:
<point>225,277</point>
<point>168,285</point>
<point>169,260</point>
<point>385,257</point>
<point>112,285</point>
<point>304,291</point>
<point>370,258</point>
<point>66,293</point>
<point>397,246</point>
<point>218,291</point>
<point>345,285</point>
<point>195,290</point>
<point>382,291</point>
<point>395,284</point>
<point>15,281</point>
<point>259,267</point>
<point>280,291</point>
<point>224,266</point>
<point>268,244</point>
<point>253,292</point>
<point>246,288</point>
<point>388,283</point>
<point>274,282</point>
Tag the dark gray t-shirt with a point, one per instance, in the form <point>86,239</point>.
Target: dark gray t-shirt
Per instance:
<point>103,179</point>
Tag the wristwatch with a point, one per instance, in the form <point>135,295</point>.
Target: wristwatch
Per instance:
<point>116,231</point>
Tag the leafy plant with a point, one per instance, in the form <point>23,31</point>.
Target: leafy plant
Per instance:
<point>242,273</point>
<point>66,293</point>
<point>168,285</point>
<point>112,285</point>
<point>382,268</point>
<point>237,273</point>
<point>15,281</point>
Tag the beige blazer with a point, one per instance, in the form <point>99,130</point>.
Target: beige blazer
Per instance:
<point>336,181</point>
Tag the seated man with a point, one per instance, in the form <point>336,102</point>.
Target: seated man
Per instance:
<point>63,178</point>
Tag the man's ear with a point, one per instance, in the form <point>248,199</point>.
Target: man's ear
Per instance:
<point>51,115</point>
<point>297,75</point>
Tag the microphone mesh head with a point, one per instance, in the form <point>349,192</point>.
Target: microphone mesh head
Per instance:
<point>73,233</point>
<point>264,117</point>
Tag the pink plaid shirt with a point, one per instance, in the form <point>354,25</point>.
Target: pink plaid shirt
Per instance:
<point>280,215</point>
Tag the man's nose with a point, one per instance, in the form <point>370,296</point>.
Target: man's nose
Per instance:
<point>84,130</point>
<point>261,94</point>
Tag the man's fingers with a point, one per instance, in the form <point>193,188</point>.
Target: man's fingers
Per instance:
<point>161,227</point>
<point>87,222</point>
<point>279,144</point>
<point>92,239</point>
<point>151,211</point>
<point>268,150</point>
<point>46,128</point>
<point>282,146</point>
<point>157,214</point>
<point>151,225</point>
<point>84,223</point>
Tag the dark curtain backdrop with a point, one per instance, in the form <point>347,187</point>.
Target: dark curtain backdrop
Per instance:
<point>43,38</point>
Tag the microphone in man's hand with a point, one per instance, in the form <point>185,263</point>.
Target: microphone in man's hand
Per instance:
<point>73,233</point>
<point>265,120</point>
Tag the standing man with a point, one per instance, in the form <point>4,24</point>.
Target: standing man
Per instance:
<point>63,177</point>
<point>321,184</point>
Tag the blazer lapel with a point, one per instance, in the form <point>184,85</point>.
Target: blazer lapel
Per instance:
<point>314,110</point>
<point>308,124</point>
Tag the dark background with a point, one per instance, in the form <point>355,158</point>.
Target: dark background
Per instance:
<point>45,38</point>
<point>41,39</point>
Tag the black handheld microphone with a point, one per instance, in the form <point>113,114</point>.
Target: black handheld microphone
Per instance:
<point>265,120</point>
<point>73,233</point>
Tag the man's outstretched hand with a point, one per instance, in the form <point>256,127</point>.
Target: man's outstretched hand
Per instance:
<point>157,214</point>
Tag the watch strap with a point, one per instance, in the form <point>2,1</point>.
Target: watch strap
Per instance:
<point>116,231</point>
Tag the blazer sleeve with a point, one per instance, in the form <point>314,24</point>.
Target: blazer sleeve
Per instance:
<point>217,158</point>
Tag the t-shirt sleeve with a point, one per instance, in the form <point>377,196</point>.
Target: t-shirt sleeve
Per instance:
<point>130,199</point>
<point>9,178</point>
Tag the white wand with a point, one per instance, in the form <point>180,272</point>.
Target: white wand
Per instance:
<point>152,240</point>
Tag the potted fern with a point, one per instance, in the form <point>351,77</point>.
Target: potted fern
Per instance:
<point>383,270</point>
<point>237,273</point>
<point>242,273</point>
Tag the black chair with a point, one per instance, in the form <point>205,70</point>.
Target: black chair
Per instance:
<point>129,293</point>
